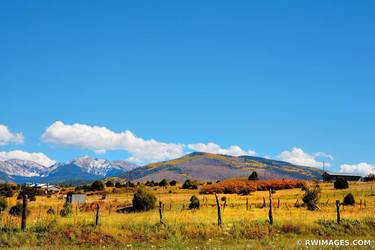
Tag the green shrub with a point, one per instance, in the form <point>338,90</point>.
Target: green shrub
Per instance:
<point>6,190</point>
<point>188,184</point>
<point>150,183</point>
<point>143,200</point>
<point>173,183</point>
<point>341,183</point>
<point>311,197</point>
<point>97,186</point>
<point>29,191</point>
<point>253,176</point>
<point>17,210</point>
<point>50,211</point>
<point>109,184</point>
<point>130,184</point>
<point>229,190</point>
<point>245,191</point>
<point>194,202</point>
<point>67,210</point>
<point>370,177</point>
<point>163,183</point>
<point>349,199</point>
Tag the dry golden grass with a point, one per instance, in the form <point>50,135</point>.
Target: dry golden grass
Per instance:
<point>183,228</point>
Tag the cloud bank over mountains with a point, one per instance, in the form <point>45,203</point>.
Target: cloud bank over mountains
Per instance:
<point>101,139</point>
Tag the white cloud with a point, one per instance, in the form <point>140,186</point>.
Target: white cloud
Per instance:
<point>216,149</point>
<point>299,157</point>
<point>324,155</point>
<point>6,136</point>
<point>362,168</point>
<point>22,155</point>
<point>101,139</point>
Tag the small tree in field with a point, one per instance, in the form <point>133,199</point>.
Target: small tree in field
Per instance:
<point>50,211</point>
<point>66,210</point>
<point>341,183</point>
<point>97,186</point>
<point>370,177</point>
<point>143,200</point>
<point>349,199</point>
<point>311,197</point>
<point>173,183</point>
<point>6,190</point>
<point>253,176</point>
<point>17,209</point>
<point>194,202</point>
<point>163,183</point>
<point>188,184</point>
<point>109,184</point>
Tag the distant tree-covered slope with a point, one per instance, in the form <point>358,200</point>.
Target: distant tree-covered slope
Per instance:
<point>205,166</point>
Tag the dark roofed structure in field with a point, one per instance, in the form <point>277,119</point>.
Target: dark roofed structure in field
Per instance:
<point>332,176</point>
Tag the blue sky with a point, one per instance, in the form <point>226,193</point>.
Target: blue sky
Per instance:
<point>266,76</point>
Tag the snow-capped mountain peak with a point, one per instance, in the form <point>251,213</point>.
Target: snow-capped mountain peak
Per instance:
<point>82,168</point>
<point>16,167</point>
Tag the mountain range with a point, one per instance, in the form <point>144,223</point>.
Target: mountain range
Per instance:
<point>196,166</point>
<point>79,170</point>
<point>212,167</point>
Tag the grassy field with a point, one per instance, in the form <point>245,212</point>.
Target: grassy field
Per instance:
<point>195,229</point>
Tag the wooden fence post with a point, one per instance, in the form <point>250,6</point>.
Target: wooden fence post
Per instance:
<point>297,203</point>
<point>270,215</point>
<point>161,212</point>
<point>247,204</point>
<point>338,211</point>
<point>360,204</point>
<point>97,217</point>
<point>218,210</point>
<point>278,202</point>
<point>264,202</point>
<point>24,212</point>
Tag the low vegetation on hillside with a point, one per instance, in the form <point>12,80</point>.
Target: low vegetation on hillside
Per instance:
<point>237,186</point>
